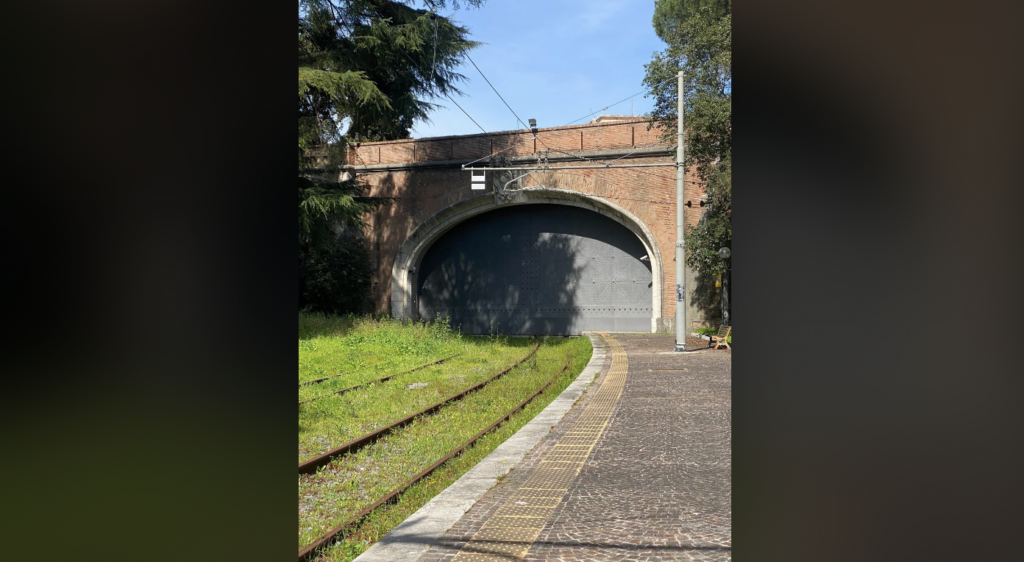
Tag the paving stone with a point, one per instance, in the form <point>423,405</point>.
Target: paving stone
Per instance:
<point>655,485</point>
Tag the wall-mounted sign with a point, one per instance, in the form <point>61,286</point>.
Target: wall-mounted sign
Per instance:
<point>478,180</point>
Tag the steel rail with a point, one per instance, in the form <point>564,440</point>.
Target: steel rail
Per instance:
<point>307,552</point>
<point>307,383</point>
<point>310,466</point>
<point>387,378</point>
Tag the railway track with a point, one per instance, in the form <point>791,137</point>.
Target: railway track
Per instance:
<point>307,552</point>
<point>385,379</point>
<point>311,465</point>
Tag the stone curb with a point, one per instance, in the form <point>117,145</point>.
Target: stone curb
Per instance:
<point>412,537</point>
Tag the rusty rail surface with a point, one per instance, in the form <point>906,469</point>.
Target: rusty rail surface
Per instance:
<point>387,378</point>
<point>316,462</point>
<point>307,552</point>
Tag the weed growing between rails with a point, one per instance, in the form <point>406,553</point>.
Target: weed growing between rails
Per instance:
<point>361,348</point>
<point>432,408</point>
<point>352,482</point>
<point>333,420</point>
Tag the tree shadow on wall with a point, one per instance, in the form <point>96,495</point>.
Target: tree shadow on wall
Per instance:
<point>533,269</point>
<point>416,196</point>
<point>494,273</point>
<point>384,237</point>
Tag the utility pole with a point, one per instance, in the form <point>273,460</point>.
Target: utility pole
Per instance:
<point>724,252</point>
<point>680,225</point>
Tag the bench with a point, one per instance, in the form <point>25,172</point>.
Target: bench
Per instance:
<point>720,339</point>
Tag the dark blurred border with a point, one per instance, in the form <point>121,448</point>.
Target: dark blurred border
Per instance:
<point>877,274</point>
<point>149,407</point>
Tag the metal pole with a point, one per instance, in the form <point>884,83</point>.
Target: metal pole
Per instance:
<point>680,225</point>
<point>725,296</point>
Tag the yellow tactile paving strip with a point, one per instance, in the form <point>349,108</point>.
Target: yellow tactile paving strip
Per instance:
<point>510,532</point>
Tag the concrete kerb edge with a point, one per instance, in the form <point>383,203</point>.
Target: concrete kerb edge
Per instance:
<point>412,537</point>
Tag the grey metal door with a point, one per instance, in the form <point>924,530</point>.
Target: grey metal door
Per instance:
<point>537,269</point>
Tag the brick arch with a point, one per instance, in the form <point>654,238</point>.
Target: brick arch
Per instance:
<point>412,250</point>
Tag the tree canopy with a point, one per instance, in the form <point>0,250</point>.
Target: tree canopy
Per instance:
<point>367,69</point>
<point>669,14</point>
<point>699,38</point>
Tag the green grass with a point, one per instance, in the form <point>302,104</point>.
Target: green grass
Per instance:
<point>363,349</point>
<point>352,482</point>
<point>334,420</point>
<point>711,332</point>
<point>314,324</point>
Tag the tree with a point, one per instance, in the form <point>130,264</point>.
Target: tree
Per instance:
<point>699,38</point>
<point>669,14</point>
<point>365,69</point>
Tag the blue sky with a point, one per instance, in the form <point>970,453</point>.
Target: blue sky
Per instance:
<point>552,60</point>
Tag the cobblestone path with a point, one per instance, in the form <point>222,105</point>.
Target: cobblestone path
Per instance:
<point>639,470</point>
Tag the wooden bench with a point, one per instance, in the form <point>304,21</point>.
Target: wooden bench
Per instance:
<point>720,340</point>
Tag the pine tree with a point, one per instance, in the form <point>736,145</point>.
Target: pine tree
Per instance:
<point>366,69</point>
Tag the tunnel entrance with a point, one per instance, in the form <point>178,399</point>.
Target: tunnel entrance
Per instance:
<point>537,269</point>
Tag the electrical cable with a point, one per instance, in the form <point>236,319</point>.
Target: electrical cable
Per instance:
<point>496,91</point>
<point>467,114</point>
<point>620,101</point>
<point>611,197</point>
<point>495,154</point>
<point>537,136</point>
<point>446,93</point>
<point>433,63</point>
<point>594,160</point>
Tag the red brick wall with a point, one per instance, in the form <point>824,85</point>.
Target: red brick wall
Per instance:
<point>647,193</point>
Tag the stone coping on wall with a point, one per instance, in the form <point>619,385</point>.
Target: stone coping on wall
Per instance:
<point>624,153</point>
<point>635,121</point>
<point>557,142</point>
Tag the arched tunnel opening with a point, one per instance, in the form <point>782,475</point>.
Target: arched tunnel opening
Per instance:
<point>537,269</point>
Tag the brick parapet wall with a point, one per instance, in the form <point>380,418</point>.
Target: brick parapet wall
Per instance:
<point>573,138</point>
<point>647,193</point>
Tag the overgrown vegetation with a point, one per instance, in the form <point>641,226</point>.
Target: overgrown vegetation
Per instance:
<point>709,331</point>
<point>699,38</point>
<point>366,349</point>
<point>365,69</point>
<point>335,278</point>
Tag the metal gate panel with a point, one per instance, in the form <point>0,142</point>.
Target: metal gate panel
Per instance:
<point>537,269</point>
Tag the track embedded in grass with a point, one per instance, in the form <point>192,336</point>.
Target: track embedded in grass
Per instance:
<point>308,551</point>
<point>365,384</point>
<point>337,419</point>
<point>318,461</point>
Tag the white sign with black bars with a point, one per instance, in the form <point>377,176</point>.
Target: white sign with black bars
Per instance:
<point>478,181</point>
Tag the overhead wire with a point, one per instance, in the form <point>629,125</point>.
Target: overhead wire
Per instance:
<point>442,92</point>
<point>520,121</point>
<point>613,197</point>
<point>600,110</point>
<point>567,124</point>
<point>496,153</point>
<point>620,101</point>
<point>464,111</point>
<point>495,90</point>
